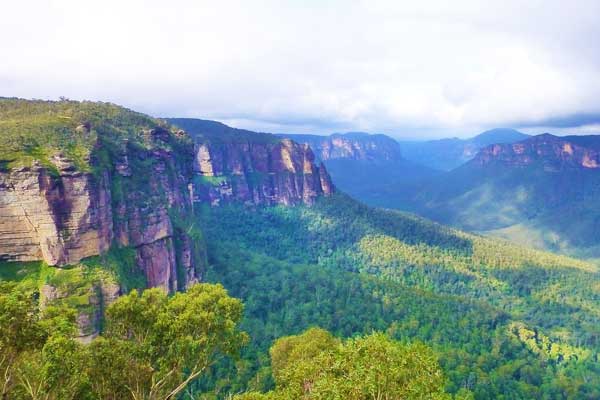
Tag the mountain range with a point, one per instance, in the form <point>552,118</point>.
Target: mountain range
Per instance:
<point>536,190</point>
<point>447,154</point>
<point>542,192</point>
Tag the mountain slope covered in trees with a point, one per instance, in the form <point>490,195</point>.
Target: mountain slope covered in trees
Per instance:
<point>505,320</point>
<point>541,192</point>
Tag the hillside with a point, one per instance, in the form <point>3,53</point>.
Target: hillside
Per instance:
<point>447,154</point>
<point>96,184</point>
<point>541,192</point>
<point>488,307</point>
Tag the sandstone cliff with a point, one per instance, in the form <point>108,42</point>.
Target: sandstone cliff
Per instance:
<point>551,151</point>
<point>54,210</point>
<point>234,165</point>
<point>276,173</point>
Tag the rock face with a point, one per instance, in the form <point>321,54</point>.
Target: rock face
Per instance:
<point>352,146</point>
<point>60,219</point>
<point>552,151</point>
<point>281,172</point>
<point>65,216</point>
<point>236,165</point>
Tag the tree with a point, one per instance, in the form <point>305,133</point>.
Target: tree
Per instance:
<point>315,365</point>
<point>153,348</point>
<point>25,340</point>
<point>172,340</point>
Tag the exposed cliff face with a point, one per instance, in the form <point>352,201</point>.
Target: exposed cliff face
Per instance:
<point>552,151</point>
<point>281,172</point>
<point>67,215</point>
<point>251,167</point>
<point>60,219</point>
<point>351,146</point>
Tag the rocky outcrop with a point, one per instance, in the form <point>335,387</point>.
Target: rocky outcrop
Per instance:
<point>352,146</point>
<point>60,219</point>
<point>551,151</point>
<point>278,172</point>
<point>237,165</point>
<point>61,215</point>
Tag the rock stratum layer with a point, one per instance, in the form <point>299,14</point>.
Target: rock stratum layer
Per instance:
<point>259,173</point>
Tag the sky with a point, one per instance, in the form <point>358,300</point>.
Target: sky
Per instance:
<point>419,69</point>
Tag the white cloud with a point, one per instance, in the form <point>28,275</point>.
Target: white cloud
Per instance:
<point>430,68</point>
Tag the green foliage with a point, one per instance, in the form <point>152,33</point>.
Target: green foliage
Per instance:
<point>175,339</point>
<point>352,269</point>
<point>287,352</point>
<point>121,263</point>
<point>219,134</point>
<point>24,331</point>
<point>210,180</point>
<point>544,205</point>
<point>314,365</point>
<point>36,130</point>
<point>33,273</point>
<point>154,345</point>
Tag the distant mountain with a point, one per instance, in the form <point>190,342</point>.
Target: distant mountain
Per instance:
<point>543,191</point>
<point>447,154</point>
<point>365,165</point>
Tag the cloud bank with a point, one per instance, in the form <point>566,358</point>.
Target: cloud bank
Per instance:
<point>411,70</point>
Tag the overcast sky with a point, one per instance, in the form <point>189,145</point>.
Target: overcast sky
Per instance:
<point>409,69</point>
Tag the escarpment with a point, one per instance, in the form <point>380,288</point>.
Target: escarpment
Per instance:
<point>551,151</point>
<point>111,178</point>
<point>236,165</point>
<point>62,215</point>
<point>283,172</point>
<point>352,146</point>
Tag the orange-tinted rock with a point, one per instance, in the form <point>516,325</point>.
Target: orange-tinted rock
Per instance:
<point>279,172</point>
<point>553,152</point>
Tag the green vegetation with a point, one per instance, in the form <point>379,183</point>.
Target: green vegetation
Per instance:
<point>153,347</point>
<point>315,365</point>
<point>77,287</point>
<point>506,321</point>
<point>543,205</point>
<point>121,263</point>
<point>217,133</point>
<point>39,130</point>
<point>457,314</point>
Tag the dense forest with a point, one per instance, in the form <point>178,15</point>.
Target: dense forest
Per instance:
<point>506,321</point>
